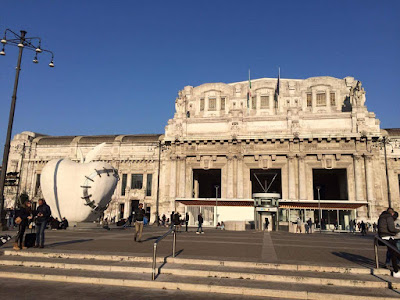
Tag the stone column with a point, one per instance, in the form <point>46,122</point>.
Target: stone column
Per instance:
<point>189,181</point>
<point>314,99</point>
<point>229,175</point>
<point>182,177</point>
<point>369,180</point>
<point>302,178</point>
<point>291,177</point>
<point>240,182</point>
<point>172,179</point>
<point>358,180</point>
<point>328,98</point>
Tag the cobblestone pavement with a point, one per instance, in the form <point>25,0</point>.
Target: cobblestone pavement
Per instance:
<point>339,249</point>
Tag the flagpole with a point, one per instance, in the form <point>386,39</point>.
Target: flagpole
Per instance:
<point>248,96</point>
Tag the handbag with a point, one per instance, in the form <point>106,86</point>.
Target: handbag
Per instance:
<point>18,220</point>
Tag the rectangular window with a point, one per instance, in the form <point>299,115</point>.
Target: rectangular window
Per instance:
<point>136,181</point>
<point>264,101</point>
<point>123,184</point>
<point>202,104</point>
<point>253,102</point>
<point>223,103</point>
<point>333,99</point>
<point>309,100</point>
<point>321,99</point>
<point>212,104</point>
<point>37,186</point>
<point>149,184</point>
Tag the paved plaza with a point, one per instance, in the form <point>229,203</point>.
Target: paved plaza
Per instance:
<point>338,249</point>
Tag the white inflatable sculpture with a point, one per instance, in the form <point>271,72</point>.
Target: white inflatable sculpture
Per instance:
<point>81,191</point>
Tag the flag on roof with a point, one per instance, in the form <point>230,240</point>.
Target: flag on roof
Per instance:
<point>249,92</point>
<point>277,88</point>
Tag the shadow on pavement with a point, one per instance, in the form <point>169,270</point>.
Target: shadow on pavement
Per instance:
<point>165,261</point>
<point>68,242</point>
<point>358,259</point>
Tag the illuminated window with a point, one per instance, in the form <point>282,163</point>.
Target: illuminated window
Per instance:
<point>253,102</point>
<point>223,103</point>
<point>212,104</point>
<point>321,99</point>
<point>333,99</point>
<point>309,100</point>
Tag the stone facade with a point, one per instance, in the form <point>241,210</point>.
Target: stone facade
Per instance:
<point>317,123</point>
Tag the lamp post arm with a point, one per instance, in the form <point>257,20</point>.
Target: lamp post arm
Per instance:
<point>8,138</point>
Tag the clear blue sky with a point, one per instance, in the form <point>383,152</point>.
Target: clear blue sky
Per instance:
<point>120,64</point>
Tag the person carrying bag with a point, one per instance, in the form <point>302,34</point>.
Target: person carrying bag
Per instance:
<point>22,219</point>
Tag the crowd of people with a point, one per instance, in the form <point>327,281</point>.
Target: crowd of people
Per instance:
<point>37,220</point>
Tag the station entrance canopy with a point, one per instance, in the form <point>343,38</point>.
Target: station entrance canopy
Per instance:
<point>215,202</point>
<point>313,204</point>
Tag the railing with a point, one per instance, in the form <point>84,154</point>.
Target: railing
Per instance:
<point>173,230</point>
<point>378,240</point>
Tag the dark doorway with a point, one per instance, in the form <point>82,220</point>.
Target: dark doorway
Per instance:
<point>121,210</point>
<point>332,183</point>
<point>207,180</point>
<point>266,181</point>
<point>134,205</point>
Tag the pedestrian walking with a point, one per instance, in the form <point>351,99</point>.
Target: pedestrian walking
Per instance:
<point>200,224</point>
<point>387,230</point>
<point>363,228</point>
<point>186,221</point>
<point>266,224</point>
<point>42,214</point>
<point>375,227</point>
<point>309,223</point>
<point>22,219</point>
<point>139,220</point>
<point>299,224</point>
<point>164,219</point>
<point>177,221</point>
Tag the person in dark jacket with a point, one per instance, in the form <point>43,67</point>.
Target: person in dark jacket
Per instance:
<point>23,217</point>
<point>139,220</point>
<point>64,223</point>
<point>42,214</point>
<point>200,224</point>
<point>187,221</point>
<point>386,230</point>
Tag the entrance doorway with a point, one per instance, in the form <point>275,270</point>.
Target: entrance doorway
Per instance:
<point>134,205</point>
<point>332,184</point>
<point>266,181</point>
<point>205,182</point>
<point>121,210</point>
<point>271,217</point>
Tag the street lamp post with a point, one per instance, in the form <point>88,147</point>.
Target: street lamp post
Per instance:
<point>216,204</point>
<point>385,141</point>
<point>21,41</point>
<point>319,208</point>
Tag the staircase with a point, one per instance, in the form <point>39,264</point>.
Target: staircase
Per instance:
<point>281,281</point>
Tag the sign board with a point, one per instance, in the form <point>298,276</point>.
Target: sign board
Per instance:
<point>271,209</point>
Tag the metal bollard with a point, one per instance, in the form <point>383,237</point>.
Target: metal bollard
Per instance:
<point>174,243</point>
<point>376,253</point>
<point>153,276</point>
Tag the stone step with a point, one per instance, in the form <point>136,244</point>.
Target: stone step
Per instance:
<point>199,284</point>
<point>193,261</point>
<point>220,271</point>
